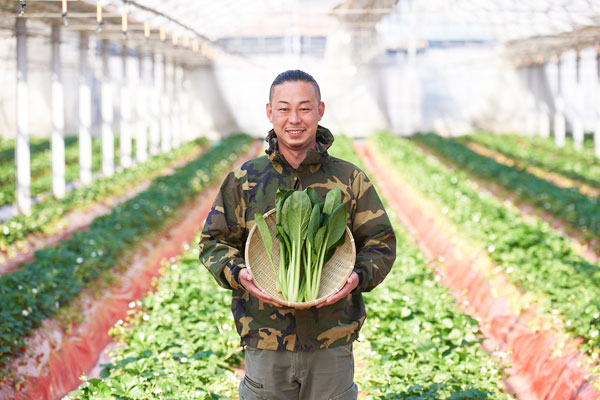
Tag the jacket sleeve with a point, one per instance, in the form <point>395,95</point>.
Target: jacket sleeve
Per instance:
<point>221,243</point>
<point>373,235</point>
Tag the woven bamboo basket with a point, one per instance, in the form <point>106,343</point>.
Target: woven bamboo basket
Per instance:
<point>333,277</point>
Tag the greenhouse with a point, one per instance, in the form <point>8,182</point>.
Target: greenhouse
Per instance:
<point>300,199</point>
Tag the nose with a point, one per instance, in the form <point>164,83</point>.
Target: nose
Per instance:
<point>294,117</point>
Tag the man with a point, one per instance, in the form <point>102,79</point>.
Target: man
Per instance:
<point>292,353</point>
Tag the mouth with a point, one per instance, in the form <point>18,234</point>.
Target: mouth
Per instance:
<point>294,132</point>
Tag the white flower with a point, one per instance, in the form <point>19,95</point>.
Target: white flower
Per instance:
<point>183,359</point>
<point>79,260</point>
<point>34,290</point>
<point>483,370</point>
<point>132,304</point>
<point>509,270</point>
<point>99,252</point>
<point>594,334</point>
<point>146,317</point>
<point>405,298</point>
<point>25,313</point>
<point>6,230</point>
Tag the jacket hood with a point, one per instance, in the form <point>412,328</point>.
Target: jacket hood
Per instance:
<point>324,140</point>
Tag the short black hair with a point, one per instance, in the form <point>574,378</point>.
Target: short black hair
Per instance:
<point>294,75</point>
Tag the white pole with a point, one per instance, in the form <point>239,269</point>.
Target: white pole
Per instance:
<point>165,110</point>
<point>58,119</point>
<point>544,117</point>
<point>126,112</point>
<point>597,128</point>
<point>175,133</point>
<point>184,106</point>
<point>85,112</point>
<point>559,118</point>
<point>108,141</point>
<point>22,158</point>
<point>141,132</point>
<point>578,133</point>
<point>154,118</point>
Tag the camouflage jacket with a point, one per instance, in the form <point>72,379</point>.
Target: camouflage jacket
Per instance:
<point>251,189</point>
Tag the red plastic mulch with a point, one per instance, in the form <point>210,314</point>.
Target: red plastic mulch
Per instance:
<point>535,372</point>
<point>59,358</point>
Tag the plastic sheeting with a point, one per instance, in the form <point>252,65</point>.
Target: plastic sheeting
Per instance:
<point>536,371</point>
<point>61,357</point>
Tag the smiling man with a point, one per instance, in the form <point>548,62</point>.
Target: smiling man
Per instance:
<point>293,353</point>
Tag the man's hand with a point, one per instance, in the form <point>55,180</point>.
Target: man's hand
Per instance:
<point>350,285</point>
<point>247,281</point>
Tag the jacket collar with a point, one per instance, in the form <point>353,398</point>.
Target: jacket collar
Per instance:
<point>324,140</point>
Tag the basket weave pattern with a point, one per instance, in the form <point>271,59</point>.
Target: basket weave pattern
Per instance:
<point>335,272</point>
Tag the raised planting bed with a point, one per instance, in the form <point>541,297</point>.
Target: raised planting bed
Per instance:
<point>546,272</point>
<point>580,211</point>
<point>49,216</point>
<point>41,166</point>
<point>570,163</point>
<point>417,343</point>
<point>40,288</point>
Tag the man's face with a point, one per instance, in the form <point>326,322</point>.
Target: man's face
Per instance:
<point>295,113</point>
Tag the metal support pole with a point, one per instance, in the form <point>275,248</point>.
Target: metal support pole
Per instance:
<point>85,111</point>
<point>597,127</point>
<point>126,113</point>
<point>544,117</point>
<point>22,156</point>
<point>141,132</point>
<point>108,140</point>
<point>184,106</point>
<point>165,110</point>
<point>559,117</point>
<point>175,128</point>
<point>58,118</point>
<point>154,117</point>
<point>578,134</point>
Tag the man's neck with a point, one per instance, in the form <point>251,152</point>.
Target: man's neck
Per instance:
<point>294,158</point>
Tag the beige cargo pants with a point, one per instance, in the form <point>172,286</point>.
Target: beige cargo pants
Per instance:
<point>325,374</point>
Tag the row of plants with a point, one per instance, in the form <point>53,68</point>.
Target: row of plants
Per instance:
<point>568,204</point>
<point>574,165</point>
<point>182,343</point>
<point>419,345</point>
<point>46,215</point>
<point>58,274</point>
<point>36,145</point>
<point>41,168</point>
<point>532,256</point>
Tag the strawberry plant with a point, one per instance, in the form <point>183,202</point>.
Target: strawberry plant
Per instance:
<point>45,214</point>
<point>580,211</point>
<point>577,165</point>
<point>36,291</point>
<point>531,255</point>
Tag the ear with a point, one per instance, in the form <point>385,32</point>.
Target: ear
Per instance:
<point>269,112</point>
<point>321,110</point>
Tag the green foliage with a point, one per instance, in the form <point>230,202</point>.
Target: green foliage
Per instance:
<point>180,345</point>
<point>532,256</point>
<point>419,344</point>
<point>569,204</point>
<point>36,291</point>
<point>181,320</point>
<point>46,213</point>
<point>308,232</point>
<point>579,165</point>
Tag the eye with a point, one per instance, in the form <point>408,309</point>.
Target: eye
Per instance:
<point>305,109</point>
<point>283,109</point>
